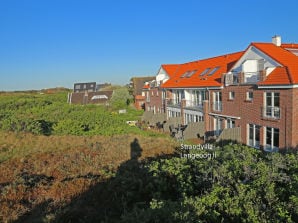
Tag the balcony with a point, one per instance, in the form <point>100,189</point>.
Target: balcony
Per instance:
<point>217,106</point>
<point>174,103</point>
<point>251,77</point>
<point>242,78</point>
<point>271,112</point>
<point>194,105</point>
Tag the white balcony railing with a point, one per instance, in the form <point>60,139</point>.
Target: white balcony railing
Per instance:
<point>193,104</point>
<point>251,77</point>
<point>271,112</point>
<point>175,103</point>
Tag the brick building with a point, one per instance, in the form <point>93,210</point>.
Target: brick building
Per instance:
<point>153,91</point>
<point>88,93</point>
<point>136,90</point>
<point>253,93</point>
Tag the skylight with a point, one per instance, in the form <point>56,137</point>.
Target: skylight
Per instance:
<point>188,73</point>
<point>185,74</point>
<point>213,71</point>
<point>205,71</point>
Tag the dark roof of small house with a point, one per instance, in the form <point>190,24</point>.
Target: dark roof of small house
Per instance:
<point>99,97</point>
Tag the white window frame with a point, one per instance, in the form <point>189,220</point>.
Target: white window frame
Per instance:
<point>271,147</point>
<point>230,123</point>
<point>217,99</point>
<point>254,143</point>
<point>271,111</point>
<point>248,98</point>
<point>231,95</point>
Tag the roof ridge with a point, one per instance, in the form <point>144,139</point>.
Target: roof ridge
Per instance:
<point>214,57</point>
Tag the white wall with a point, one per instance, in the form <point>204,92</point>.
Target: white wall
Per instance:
<point>162,76</point>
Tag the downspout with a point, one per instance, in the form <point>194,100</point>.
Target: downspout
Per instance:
<point>286,145</point>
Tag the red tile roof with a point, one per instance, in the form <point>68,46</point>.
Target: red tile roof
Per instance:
<point>288,75</point>
<point>170,68</point>
<point>278,76</point>
<point>290,45</point>
<point>224,63</point>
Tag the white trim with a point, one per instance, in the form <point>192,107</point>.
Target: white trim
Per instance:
<point>278,86</point>
<point>225,116</point>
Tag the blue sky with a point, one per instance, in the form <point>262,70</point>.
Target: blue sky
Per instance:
<point>51,43</point>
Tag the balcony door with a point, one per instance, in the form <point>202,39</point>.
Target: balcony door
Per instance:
<point>199,97</point>
<point>179,95</point>
<point>218,125</point>
<point>217,101</point>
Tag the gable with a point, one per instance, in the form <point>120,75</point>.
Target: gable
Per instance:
<point>254,60</point>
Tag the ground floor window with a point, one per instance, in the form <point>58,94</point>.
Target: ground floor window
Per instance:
<point>254,135</point>
<point>230,123</point>
<point>198,118</point>
<point>272,139</point>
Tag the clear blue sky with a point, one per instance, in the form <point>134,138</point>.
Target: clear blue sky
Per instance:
<point>51,43</point>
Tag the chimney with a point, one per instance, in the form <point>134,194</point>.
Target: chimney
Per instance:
<point>276,40</point>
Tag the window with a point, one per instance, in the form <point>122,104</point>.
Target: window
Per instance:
<point>185,74</point>
<point>231,95</point>
<point>204,72</point>
<point>213,71</point>
<point>230,123</point>
<point>218,125</point>
<point>254,135</point>
<point>217,105</point>
<point>85,86</point>
<point>188,73</point>
<point>198,98</point>
<point>272,108</point>
<point>77,86</point>
<point>249,96</point>
<point>191,73</point>
<point>179,95</point>
<point>272,139</point>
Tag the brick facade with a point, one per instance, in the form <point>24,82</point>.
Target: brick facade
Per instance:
<point>250,112</point>
<point>154,101</point>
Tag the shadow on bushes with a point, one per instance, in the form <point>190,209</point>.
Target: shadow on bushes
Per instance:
<point>112,200</point>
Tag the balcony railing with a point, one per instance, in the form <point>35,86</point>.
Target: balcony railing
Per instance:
<point>174,103</point>
<point>271,112</point>
<point>193,104</point>
<point>242,78</point>
<point>251,77</point>
<point>217,106</point>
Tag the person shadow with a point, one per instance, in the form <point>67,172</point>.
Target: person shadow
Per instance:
<point>108,200</point>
